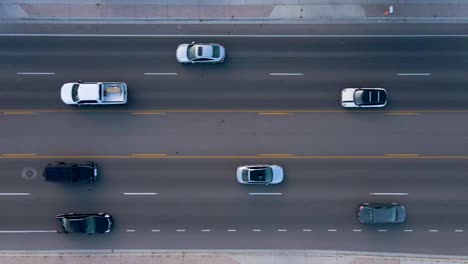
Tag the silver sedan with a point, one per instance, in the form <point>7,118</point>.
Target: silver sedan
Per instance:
<point>200,53</point>
<point>260,174</point>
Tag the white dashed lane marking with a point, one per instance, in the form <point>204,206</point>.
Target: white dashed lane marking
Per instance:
<point>265,193</point>
<point>142,193</point>
<point>160,73</point>
<point>15,194</point>
<point>286,74</point>
<point>35,73</point>
<point>26,231</point>
<point>414,74</point>
<point>389,194</point>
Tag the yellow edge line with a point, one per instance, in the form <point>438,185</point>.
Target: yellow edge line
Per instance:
<point>396,154</point>
<point>150,156</point>
<point>147,113</point>
<point>275,154</point>
<point>10,154</point>
<point>402,113</point>
<point>19,113</point>
<point>274,113</point>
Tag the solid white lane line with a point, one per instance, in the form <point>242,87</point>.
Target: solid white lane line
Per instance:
<point>155,230</point>
<point>130,230</point>
<point>401,194</point>
<point>13,194</point>
<point>231,230</point>
<point>206,230</point>
<point>160,73</point>
<point>35,73</point>
<point>382,230</point>
<point>134,193</point>
<point>180,230</point>
<point>286,73</point>
<point>408,230</point>
<point>433,230</point>
<point>306,230</point>
<point>256,230</point>
<point>357,230</point>
<point>26,231</point>
<point>282,230</point>
<point>331,230</point>
<point>236,35</point>
<point>459,230</point>
<point>414,74</point>
<point>265,193</point>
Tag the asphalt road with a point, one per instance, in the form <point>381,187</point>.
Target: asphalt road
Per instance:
<point>199,195</point>
<point>202,122</point>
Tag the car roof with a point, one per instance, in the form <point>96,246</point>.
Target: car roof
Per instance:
<point>372,96</point>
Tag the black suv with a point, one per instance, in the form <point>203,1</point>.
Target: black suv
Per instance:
<point>60,171</point>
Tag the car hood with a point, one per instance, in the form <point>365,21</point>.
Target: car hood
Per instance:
<point>181,53</point>
<point>278,174</point>
<point>66,93</point>
<point>347,95</point>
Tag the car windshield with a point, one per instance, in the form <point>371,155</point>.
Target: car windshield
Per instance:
<point>261,175</point>
<point>191,52</point>
<point>75,225</point>
<point>245,175</point>
<point>360,97</point>
<point>216,52</point>
<point>75,92</point>
<point>90,225</point>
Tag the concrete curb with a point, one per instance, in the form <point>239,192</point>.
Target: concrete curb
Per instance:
<point>344,20</point>
<point>308,253</point>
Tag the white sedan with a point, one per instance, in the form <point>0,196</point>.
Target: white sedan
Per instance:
<point>200,53</point>
<point>363,97</point>
<point>260,174</point>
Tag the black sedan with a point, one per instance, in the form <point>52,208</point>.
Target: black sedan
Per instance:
<point>381,213</point>
<point>83,223</point>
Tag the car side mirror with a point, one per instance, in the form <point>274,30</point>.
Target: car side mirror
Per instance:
<point>193,42</point>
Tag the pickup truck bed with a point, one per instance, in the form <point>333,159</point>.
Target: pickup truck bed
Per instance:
<point>113,92</point>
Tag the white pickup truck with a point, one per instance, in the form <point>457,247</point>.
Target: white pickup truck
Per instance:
<point>94,93</point>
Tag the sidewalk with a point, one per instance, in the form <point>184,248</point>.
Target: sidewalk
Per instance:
<point>233,11</point>
<point>222,257</point>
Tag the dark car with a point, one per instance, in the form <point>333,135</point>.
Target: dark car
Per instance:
<point>381,213</point>
<point>83,223</point>
<point>60,171</point>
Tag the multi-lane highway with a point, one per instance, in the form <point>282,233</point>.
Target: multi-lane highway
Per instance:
<point>168,157</point>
